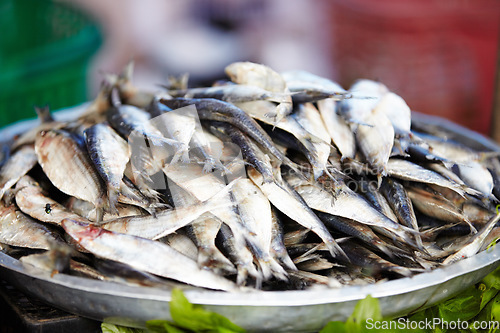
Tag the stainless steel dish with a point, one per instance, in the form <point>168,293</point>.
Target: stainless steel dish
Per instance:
<point>283,311</point>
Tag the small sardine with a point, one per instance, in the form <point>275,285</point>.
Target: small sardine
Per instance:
<point>289,203</point>
<point>348,204</point>
<point>154,257</point>
<point>69,167</point>
<point>474,243</point>
<point>339,131</point>
<point>17,229</point>
<point>236,93</point>
<point>110,155</point>
<point>401,205</point>
<point>167,221</point>
<point>31,201</point>
<point>437,207</point>
<point>16,167</point>
<point>406,170</point>
<point>375,142</point>
<point>264,77</point>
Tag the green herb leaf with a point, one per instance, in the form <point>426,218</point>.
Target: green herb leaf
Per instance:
<point>464,307</point>
<point>192,317</point>
<point>111,328</point>
<point>365,309</point>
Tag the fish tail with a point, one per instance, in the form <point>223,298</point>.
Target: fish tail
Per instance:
<point>214,260</point>
<point>113,193</point>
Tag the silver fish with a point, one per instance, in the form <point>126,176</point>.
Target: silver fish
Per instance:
<point>69,168</point>
<point>398,112</point>
<point>17,229</point>
<point>348,204</point>
<point>255,212</point>
<point>474,243</point>
<point>289,203</point>
<point>375,142</point>
<point>166,221</point>
<point>401,205</point>
<point>476,176</point>
<point>154,257</point>
<point>407,170</point>
<point>437,207</point>
<point>33,202</point>
<point>365,96</point>
<point>318,150</point>
<point>339,131</point>
<point>16,167</point>
<point>232,93</point>
<point>264,77</point>
<point>307,87</point>
<point>110,155</point>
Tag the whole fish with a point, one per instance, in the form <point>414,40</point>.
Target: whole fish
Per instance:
<point>16,167</point>
<point>256,215</point>
<point>289,203</point>
<point>166,221</point>
<point>401,205</point>
<point>69,167</point>
<point>17,229</point>
<point>307,87</point>
<point>264,77</point>
<point>365,96</point>
<point>154,257</point>
<point>234,115</point>
<point>348,204</point>
<point>278,248</point>
<point>406,170</point>
<point>339,131</point>
<point>355,229</point>
<point>371,262</point>
<point>316,150</point>
<point>32,201</point>
<point>373,195</point>
<point>397,111</point>
<point>474,243</point>
<point>375,142</point>
<point>236,93</point>
<point>110,155</point>
<point>204,231</point>
<point>437,207</point>
<point>476,176</point>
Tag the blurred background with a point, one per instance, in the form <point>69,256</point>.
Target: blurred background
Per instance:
<point>441,56</point>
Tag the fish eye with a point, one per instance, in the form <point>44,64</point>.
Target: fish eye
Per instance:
<point>48,209</point>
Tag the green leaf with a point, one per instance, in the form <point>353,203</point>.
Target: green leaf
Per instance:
<point>162,326</point>
<point>111,328</point>
<point>334,327</point>
<point>365,309</point>
<point>464,307</point>
<point>195,318</point>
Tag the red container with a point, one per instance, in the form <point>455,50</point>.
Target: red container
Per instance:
<point>439,55</point>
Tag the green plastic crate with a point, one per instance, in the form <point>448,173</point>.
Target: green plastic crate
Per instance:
<point>45,48</point>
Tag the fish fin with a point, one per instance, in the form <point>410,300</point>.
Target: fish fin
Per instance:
<point>43,114</point>
<point>214,260</point>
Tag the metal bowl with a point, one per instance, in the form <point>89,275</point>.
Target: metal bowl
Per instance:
<point>278,311</point>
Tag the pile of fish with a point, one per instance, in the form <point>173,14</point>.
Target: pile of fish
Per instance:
<point>268,181</point>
